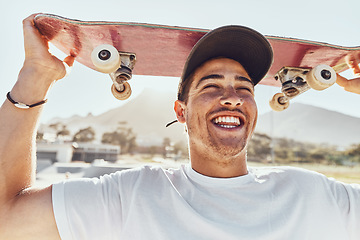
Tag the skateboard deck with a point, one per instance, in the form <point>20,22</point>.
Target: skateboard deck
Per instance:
<point>162,50</point>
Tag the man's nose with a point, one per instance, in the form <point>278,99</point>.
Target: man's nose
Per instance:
<point>231,98</point>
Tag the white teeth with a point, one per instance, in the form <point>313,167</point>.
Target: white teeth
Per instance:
<point>228,119</point>
<point>227,126</point>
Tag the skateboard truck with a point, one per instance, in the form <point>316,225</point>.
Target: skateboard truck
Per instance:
<point>118,65</point>
<point>121,88</point>
<point>297,80</point>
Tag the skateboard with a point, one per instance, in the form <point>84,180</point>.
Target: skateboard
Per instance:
<point>300,65</point>
<point>122,49</point>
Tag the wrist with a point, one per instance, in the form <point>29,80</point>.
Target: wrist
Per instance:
<point>32,86</point>
<point>24,105</point>
<point>37,73</point>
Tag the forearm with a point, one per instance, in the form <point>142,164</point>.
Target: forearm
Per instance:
<point>18,133</point>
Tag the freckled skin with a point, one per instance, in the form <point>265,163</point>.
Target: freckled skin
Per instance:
<point>219,89</point>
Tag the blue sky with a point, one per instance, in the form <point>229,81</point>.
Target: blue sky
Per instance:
<point>87,91</point>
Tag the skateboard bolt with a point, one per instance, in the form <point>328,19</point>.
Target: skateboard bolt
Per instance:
<point>104,55</point>
<point>326,74</point>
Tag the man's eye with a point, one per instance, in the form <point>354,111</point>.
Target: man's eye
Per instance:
<point>245,89</point>
<point>211,86</point>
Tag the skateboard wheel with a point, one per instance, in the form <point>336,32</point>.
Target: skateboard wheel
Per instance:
<point>106,58</point>
<point>321,77</point>
<point>121,95</point>
<point>276,104</point>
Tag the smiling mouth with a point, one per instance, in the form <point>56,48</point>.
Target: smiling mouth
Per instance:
<point>227,121</point>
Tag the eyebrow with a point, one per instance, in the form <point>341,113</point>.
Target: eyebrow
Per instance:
<point>219,76</point>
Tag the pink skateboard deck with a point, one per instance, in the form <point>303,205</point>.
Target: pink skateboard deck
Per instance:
<point>162,50</point>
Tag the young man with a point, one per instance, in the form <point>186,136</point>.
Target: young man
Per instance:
<point>215,197</point>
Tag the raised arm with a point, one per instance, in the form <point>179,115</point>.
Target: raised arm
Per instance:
<point>26,213</point>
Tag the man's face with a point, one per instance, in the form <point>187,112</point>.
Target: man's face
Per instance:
<point>221,112</point>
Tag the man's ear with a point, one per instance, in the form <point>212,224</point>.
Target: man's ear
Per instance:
<point>179,108</point>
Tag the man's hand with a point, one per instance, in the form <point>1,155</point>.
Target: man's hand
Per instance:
<point>351,85</point>
<point>40,70</point>
<point>37,56</point>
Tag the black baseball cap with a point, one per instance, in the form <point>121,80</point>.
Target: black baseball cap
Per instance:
<point>242,44</point>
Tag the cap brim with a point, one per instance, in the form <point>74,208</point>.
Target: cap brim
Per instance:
<point>242,44</point>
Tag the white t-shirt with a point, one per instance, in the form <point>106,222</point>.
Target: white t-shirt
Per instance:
<point>153,203</point>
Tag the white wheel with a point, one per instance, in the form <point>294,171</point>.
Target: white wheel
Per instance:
<point>278,103</point>
<point>106,58</point>
<point>321,77</point>
<point>124,94</point>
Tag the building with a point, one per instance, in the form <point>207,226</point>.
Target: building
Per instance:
<point>88,152</point>
<point>68,152</point>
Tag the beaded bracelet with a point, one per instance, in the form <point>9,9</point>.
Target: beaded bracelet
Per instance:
<point>23,105</point>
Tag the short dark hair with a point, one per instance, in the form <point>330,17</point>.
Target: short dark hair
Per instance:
<point>184,87</point>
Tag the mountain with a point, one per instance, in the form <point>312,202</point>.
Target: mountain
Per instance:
<point>311,124</point>
<point>148,114</point>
